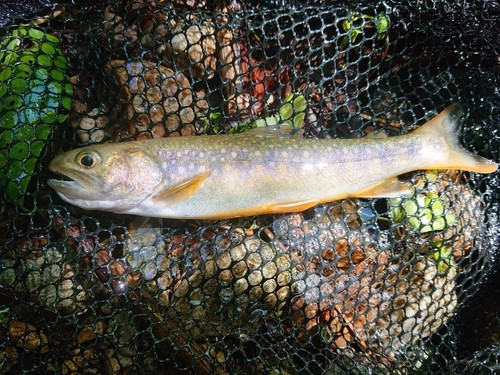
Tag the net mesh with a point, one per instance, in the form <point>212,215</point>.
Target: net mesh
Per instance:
<point>357,286</point>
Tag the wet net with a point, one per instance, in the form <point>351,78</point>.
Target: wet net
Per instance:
<point>358,286</point>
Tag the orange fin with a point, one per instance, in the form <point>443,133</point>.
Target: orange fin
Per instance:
<point>445,126</point>
<point>292,206</point>
<point>182,191</point>
<point>389,188</point>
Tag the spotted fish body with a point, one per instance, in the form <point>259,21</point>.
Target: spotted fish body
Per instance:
<point>258,172</point>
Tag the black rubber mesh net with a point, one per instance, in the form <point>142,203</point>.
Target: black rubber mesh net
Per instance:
<point>356,286</point>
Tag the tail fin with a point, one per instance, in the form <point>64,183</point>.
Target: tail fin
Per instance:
<point>444,125</point>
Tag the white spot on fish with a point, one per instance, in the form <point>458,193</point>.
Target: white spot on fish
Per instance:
<point>306,154</point>
<point>234,154</point>
<point>201,155</point>
<point>166,164</point>
<point>284,154</point>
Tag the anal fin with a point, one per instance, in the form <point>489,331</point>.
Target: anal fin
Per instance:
<point>292,206</point>
<point>388,188</point>
<point>182,191</point>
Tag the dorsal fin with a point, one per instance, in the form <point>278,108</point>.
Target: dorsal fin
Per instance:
<point>276,131</point>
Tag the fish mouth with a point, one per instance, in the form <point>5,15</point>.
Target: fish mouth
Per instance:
<point>72,185</point>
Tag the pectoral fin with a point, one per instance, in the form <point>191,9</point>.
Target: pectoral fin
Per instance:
<point>182,191</point>
<point>292,206</point>
<point>389,188</point>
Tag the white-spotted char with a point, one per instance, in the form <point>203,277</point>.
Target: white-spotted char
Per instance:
<point>258,172</point>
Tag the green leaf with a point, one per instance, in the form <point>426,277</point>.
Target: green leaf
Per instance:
<point>24,133</point>
<point>18,85</point>
<point>29,116</point>
<point>22,70</point>
<point>51,100</point>
<point>425,216</point>
<point>28,57</point>
<point>4,159</point>
<point>61,62</point>
<point>3,89</point>
<point>9,119</point>
<point>29,165</point>
<point>33,73</point>
<point>44,60</point>
<point>42,73</point>
<point>398,215</point>
<point>410,206</point>
<point>382,22</point>
<point>5,73</point>
<point>12,190</point>
<point>13,102</point>
<point>57,74</point>
<point>439,224</point>
<point>437,207</point>
<point>48,115</point>
<point>286,111</point>
<point>52,38</point>
<point>450,218</point>
<point>19,151</point>
<point>414,223</point>
<point>43,131</point>
<point>15,169</point>
<point>67,102</point>
<point>35,33</point>
<point>37,86</point>
<point>37,147</point>
<point>33,100</point>
<point>6,138</point>
<point>48,48</point>
<point>69,90</point>
<point>62,118</point>
<point>55,87</point>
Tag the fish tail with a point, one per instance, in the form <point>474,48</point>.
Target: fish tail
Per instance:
<point>444,126</point>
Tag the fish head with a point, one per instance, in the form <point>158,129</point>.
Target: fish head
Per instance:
<point>108,177</point>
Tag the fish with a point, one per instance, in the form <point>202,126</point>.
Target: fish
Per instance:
<point>266,170</point>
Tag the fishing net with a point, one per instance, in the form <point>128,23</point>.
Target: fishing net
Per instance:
<point>356,286</point>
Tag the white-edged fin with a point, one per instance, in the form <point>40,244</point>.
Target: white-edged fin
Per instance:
<point>276,131</point>
<point>389,188</point>
<point>445,126</point>
<point>182,191</point>
<point>291,206</point>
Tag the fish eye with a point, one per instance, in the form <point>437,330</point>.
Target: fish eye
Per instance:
<point>87,160</point>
